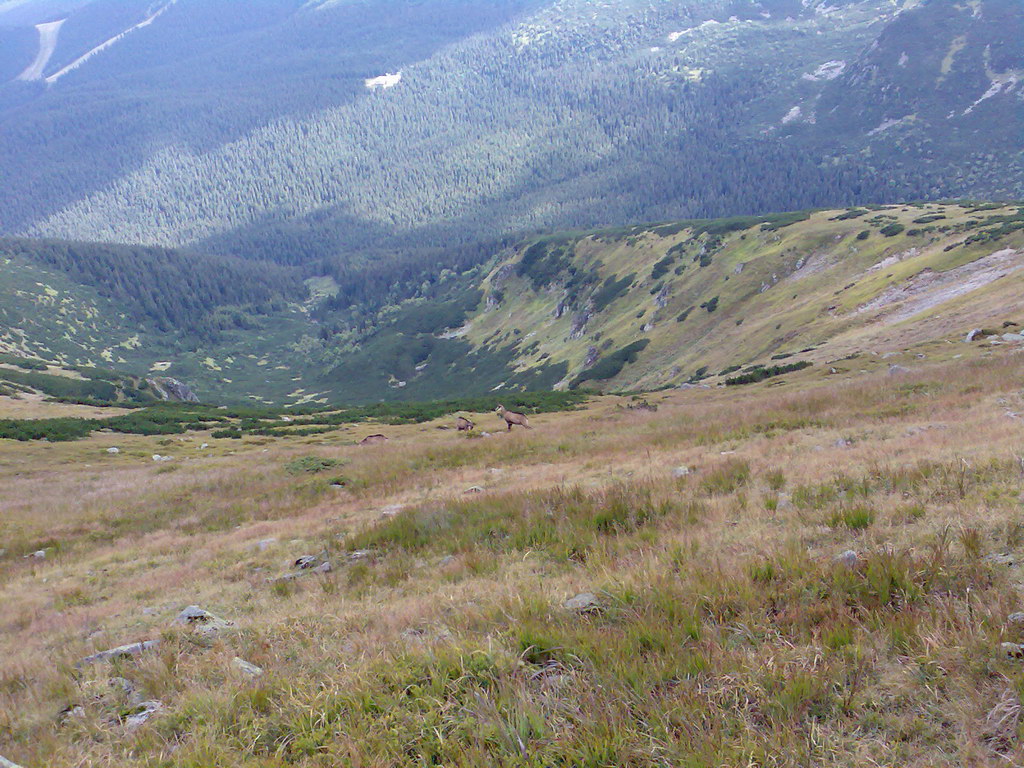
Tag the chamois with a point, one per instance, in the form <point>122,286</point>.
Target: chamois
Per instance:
<point>511,417</point>
<point>463,424</point>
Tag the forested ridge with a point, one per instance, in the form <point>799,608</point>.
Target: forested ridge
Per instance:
<point>167,288</point>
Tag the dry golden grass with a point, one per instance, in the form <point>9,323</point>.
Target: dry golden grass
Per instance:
<point>728,635</point>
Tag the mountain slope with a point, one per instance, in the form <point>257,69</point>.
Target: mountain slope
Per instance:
<point>649,306</point>
<point>644,306</point>
<point>508,117</point>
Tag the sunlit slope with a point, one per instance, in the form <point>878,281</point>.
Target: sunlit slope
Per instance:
<point>693,299</point>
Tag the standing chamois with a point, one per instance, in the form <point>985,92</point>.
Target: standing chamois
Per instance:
<point>463,424</point>
<point>511,417</point>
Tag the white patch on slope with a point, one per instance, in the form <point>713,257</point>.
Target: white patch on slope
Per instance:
<point>885,125</point>
<point>793,114</point>
<point>103,46</point>
<point>1006,80</point>
<point>830,70</point>
<point>47,45</point>
<point>384,81</point>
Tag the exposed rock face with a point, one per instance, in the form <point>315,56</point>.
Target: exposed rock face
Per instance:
<point>591,357</point>
<point>579,325</point>
<point>167,388</point>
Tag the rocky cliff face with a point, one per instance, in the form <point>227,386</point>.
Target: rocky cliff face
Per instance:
<point>172,390</point>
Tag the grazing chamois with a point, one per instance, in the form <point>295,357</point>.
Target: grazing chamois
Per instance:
<point>463,424</point>
<point>511,417</point>
<point>373,440</point>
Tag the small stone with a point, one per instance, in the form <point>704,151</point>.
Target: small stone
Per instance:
<point>446,560</point>
<point>681,471</point>
<point>1013,650</point>
<point>324,567</point>
<point>158,458</point>
<point>246,667</point>
<point>306,561</point>
<point>360,554</point>
<point>149,708</point>
<point>72,712</point>
<point>113,450</point>
<point>5,763</point>
<point>265,544</point>
<point>39,554</point>
<point>584,602</point>
<point>898,370</point>
<point>391,510</point>
<point>972,335</point>
<point>1015,618</point>
<point>474,489</point>
<point>1001,559</point>
<point>495,471</point>
<point>849,558</point>
<point>843,442</point>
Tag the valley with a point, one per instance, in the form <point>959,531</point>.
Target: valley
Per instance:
<point>529,383</point>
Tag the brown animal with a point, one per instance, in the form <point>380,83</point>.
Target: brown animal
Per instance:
<point>511,417</point>
<point>373,440</point>
<point>463,424</point>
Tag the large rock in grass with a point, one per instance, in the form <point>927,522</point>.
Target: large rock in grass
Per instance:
<point>583,603</point>
<point>5,763</point>
<point>203,623</point>
<point>121,652</point>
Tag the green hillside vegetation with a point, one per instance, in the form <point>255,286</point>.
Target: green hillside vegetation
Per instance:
<point>810,281</point>
<point>642,306</point>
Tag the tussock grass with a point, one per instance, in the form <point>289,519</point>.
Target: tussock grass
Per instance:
<point>725,631</point>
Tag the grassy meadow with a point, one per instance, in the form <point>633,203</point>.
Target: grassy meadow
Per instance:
<point>815,570</point>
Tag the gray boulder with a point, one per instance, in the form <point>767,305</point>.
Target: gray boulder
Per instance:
<point>121,652</point>
<point>202,622</point>
<point>681,471</point>
<point>167,388</point>
<point>849,558</point>
<point>1015,618</point>
<point>584,602</point>
<point>146,710</point>
<point>5,763</point>
<point>972,335</point>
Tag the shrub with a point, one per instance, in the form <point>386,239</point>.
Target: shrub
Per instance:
<point>855,518</point>
<point>611,366</point>
<point>891,230</point>
<point>310,464</point>
<point>760,373</point>
<point>710,305</point>
<point>864,235</point>
<point>727,477</point>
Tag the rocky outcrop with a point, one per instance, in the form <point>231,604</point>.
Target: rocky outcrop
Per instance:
<point>173,390</point>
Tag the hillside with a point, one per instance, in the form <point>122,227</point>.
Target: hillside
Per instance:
<point>639,307</point>
<point>708,296</point>
<point>821,570</point>
<point>269,134</point>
